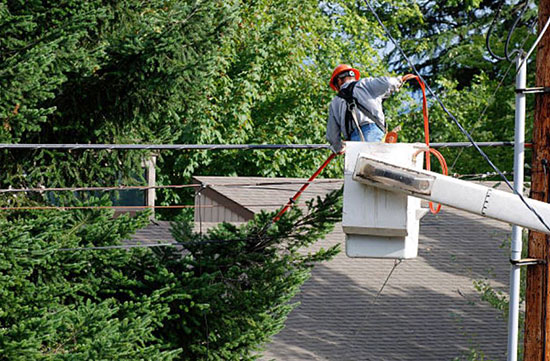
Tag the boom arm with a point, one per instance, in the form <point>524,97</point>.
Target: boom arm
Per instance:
<point>468,196</point>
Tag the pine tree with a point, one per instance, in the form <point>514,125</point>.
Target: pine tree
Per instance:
<point>220,296</point>
<point>243,280</point>
<point>52,301</point>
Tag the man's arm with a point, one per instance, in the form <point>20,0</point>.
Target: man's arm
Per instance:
<point>383,86</point>
<point>333,132</point>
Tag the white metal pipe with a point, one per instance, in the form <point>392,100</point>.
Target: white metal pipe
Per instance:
<point>517,231</point>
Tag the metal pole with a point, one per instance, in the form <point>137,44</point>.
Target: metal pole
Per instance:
<point>515,271</point>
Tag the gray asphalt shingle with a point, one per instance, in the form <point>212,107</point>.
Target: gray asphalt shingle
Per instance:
<point>429,310</point>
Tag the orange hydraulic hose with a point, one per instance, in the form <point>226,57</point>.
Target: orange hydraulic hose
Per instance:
<point>429,151</point>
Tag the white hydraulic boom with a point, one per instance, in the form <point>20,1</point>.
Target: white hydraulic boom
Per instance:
<point>468,196</point>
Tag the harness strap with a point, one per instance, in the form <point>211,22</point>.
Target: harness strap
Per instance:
<point>353,104</point>
<point>351,109</point>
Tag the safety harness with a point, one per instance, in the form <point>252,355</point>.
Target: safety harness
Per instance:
<point>351,117</point>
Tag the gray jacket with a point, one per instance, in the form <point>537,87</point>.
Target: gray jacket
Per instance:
<point>369,92</point>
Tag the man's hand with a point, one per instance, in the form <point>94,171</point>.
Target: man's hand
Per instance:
<point>343,150</point>
<point>401,82</point>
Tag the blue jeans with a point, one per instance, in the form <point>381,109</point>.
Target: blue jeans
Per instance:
<point>371,132</point>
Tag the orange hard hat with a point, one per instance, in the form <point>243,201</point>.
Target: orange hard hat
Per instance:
<point>340,69</point>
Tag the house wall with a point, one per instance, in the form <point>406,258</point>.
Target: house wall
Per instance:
<point>208,210</point>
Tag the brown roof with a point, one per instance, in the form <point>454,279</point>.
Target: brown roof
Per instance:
<point>257,193</point>
<point>429,310</point>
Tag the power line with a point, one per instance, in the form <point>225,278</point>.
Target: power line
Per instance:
<point>477,176</point>
<point>176,206</point>
<point>176,186</point>
<point>453,118</point>
<point>210,146</point>
<point>489,103</point>
<point>163,146</point>
<point>469,144</point>
<point>501,82</point>
<point>511,32</point>
<point>544,29</point>
<point>147,245</point>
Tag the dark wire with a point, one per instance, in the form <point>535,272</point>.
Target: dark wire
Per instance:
<point>488,37</point>
<point>511,32</point>
<point>507,53</point>
<point>146,245</point>
<point>453,118</point>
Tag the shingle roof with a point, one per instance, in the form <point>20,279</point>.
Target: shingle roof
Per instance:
<point>257,193</point>
<point>159,232</point>
<point>429,310</point>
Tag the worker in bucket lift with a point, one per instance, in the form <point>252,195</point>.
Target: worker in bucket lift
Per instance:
<point>356,112</point>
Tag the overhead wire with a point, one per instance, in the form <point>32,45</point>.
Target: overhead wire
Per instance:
<point>475,176</point>
<point>503,77</point>
<point>453,118</point>
<point>163,146</point>
<point>173,186</point>
<point>175,206</point>
<point>489,32</point>
<point>533,46</point>
<point>539,37</point>
<point>508,54</point>
<point>70,147</point>
<point>489,103</point>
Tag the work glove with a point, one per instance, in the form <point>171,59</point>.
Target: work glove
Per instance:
<point>343,150</point>
<point>401,82</point>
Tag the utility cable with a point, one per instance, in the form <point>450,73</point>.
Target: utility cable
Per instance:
<point>453,118</point>
<point>145,245</point>
<point>488,36</point>
<point>475,176</point>
<point>184,146</point>
<point>163,146</point>
<point>543,31</point>
<point>176,206</point>
<point>533,47</point>
<point>492,98</point>
<point>489,103</point>
<point>507,53</point>
<point>176,186</point>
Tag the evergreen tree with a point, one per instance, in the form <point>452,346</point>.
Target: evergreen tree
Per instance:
<point>220,296</point>
<point>172,72</point>
<point>52,301</point>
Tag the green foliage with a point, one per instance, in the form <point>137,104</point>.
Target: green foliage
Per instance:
<point>52,301</point>
<point>172,72</point>
<point>243,280</point>
<point>101,72</point>
<point>473,354</point>
<point>497,299</point>
<point>446,42</point>
<point>219,299</point>
<point>232,72</point>
<point>273,88</point>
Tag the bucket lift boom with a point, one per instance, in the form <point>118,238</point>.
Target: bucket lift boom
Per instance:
<point>474,198</point>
